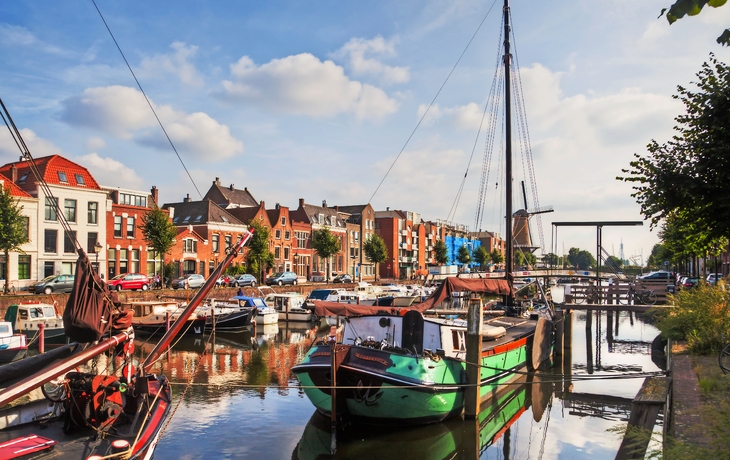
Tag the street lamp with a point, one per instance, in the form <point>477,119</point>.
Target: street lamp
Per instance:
<point>296,263</point>
<point>97,249</point>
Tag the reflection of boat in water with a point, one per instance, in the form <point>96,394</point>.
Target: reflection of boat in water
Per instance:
<point>451,439</point>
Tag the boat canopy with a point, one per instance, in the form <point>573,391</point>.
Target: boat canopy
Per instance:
<point>454,284</point>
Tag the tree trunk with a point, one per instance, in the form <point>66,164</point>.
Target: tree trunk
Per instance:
<point>6,288</point>
<point>376,271</point>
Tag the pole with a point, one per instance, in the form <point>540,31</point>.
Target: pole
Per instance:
<point>333,373</point>
<point>41,338</point>
<point>473,357</point>
<point>508,154</point>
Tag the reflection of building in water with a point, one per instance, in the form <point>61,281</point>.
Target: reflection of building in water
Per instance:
<point>233,361</point>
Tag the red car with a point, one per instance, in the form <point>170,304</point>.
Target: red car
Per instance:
<point>131,281</point>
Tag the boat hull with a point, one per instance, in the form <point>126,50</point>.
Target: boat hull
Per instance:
<point>196,327</point>
<point>396,388</point>
<point>233,322</point>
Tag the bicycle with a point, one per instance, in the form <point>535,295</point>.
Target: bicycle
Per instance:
<point>724,359</point>
<point>640,297</point>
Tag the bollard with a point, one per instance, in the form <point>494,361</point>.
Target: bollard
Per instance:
<point>41,338</point>
<point>473,357</point>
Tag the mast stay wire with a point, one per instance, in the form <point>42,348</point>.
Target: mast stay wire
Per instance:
<point>525,135</point>
<point>433,101</point>
<point>147,99</point>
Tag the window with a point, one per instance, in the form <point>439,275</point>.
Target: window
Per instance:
<point>223,218</point>
<point>216,243</point>
<point>134,268</point>
<point>111,264</point>
<point>91,240</point>
<point>79,179</point>
<point>286,253</point>
<point>321,218</point>
<point>130,227</point>
<point>301,239</point>
<point>69,210</point>
<point>211,267</point>
<point>62,177</point>
<point>117,226</point>
<point>278,234</point>
<point>190,245</point>
<point>123,261</point>
<point>228,241</point>
<point>51,204</point>
<point>48,269</point>
<point>68,242</point>
<point>92,215</point>
<point>186,219</point>
<point>23,267</point>
<point>283,221</point>
<point>287,235</point>
<point>202,267</point>
<point>133,200</point>
<point>23,177</point>
<point>198,218</point>
<point>277,252</point>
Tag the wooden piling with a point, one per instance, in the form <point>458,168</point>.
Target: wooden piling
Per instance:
<point>650,399</point>
<point>474,321</point>
<point>41,338</point>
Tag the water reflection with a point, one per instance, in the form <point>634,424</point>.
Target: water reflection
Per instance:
<point>242,383</point>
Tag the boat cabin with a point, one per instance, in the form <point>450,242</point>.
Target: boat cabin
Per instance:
<point>26,316</point>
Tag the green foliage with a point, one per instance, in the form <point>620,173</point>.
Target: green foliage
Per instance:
<point>551,259</point>
<point>326,244</point>
<point>440,252</point>
<point>259,258</point>
<point>464,255</point>
<point>375,251</point>
<point>680,8</point>
<point>168,271</point>
<point>496,256</point>
<point>614,263</point>
<point>581,259</point>
<point>481,256</point>
<point>13,231</point>
<point>701,317</point>
<point>686,181</point>
<point>525,258</point>
<point>158,231</point>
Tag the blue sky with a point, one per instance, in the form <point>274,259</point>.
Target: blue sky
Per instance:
<point>315,100</point>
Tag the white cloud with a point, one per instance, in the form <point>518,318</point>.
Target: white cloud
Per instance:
<point>355,51</point>
<point>108,171</point>
<point>39,147</point>
<point>468,116</point>
<point>124,113</point>
<point>177,64</point>
<point>95,143</point>
<point>12,35</point>
<point>304,85</point>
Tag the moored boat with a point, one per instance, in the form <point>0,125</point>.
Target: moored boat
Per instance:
<point>156,317</point>
<point>235,315</point>
<point>290,306</point>
<point>12,346</point>
<point>27,316</point>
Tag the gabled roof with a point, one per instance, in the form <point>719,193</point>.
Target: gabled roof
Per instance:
<point>312,213</point>
<point>229,197</point>
<point>246,214</point>
<point>53,169</point>
<point>355,212</point>
<point>192,233</point>
<point>199,213</point>
<point>14,189</point>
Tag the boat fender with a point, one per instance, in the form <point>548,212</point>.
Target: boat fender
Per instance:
<point>490,332</point>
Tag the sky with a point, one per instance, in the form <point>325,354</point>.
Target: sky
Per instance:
<point>316,100</point>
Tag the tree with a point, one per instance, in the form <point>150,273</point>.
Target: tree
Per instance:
<point>496,256</point>
<point>326,244</point>
<point>614,263</point>
<point>581,259</point>
<point>159,232</point>
<point>680,8</point>
<point>551,260</point>
<point>13,229</point>
<point>464,256</point>
<point>525,258</point>
<point>259,257</point>
<point>440,253</point>
<point>375,251</point>
<point>688,178</point>
<point>481,256</point>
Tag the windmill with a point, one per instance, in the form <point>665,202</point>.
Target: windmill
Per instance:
<point>521,224</point>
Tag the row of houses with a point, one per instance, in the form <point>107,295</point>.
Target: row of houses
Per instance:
<point>105,220</point>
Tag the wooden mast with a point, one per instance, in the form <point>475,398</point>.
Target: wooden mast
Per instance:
<point>508,265</point>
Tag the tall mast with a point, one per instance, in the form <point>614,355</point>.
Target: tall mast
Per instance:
<point>508,266</point>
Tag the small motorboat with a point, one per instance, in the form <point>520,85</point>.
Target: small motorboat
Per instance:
<point>27,316</point>
<point>12,346</point>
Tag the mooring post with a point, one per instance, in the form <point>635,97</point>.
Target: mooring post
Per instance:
<point>333,372</point>
<point>650,399</point>
<point>568,353</point>
<point>473,356</point>
<point>41,338</point>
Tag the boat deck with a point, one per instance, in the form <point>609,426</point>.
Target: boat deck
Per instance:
<point>517,328</point>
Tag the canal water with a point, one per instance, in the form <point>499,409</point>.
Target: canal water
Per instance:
<point>241,400</point>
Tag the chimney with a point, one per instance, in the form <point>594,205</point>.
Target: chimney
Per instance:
<point>231,187</point>
<point>263,205</point>
<point>13,174</point>
<point>217,181</point>
<point>324,203</point>
<point>171,212</point>
<point>155,194</point>
<point>278,206</point>
<point>301,202</point>
<point>387,208</point>
<point>187,199</point>
<point>337,208</point>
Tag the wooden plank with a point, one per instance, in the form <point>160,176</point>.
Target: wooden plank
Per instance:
<point>541,343</point>
<point>650,399</point>
<point>654,390</point>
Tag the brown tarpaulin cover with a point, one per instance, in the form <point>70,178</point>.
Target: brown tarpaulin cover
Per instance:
<point>481,285</point>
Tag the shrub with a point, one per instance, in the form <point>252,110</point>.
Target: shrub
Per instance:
<point>701,317</point>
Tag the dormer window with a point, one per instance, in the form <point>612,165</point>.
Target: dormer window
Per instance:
<point>199,218</point>
<point>62,177</point>
<point>321,219</point>
<point>186,219</point>
<point>223,218</point>
<point>174,221</point>
<point>23,177</point>
<point>79,179</point>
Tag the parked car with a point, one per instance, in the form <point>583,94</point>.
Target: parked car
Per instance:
<point>282,278</point>
<point>659,275</point>
<point>317,277</point>
<point>131,281</point>
<point>343,278</point>
<point>689,282</point>
<point>53,284</point>
<point>713,277</point>
<point>244,280</point>
<point>225,281</point>
<point>191,281</point>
